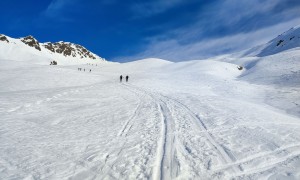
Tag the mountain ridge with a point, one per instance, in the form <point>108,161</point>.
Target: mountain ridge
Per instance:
<point>52,50</point>
<point>287,40</point>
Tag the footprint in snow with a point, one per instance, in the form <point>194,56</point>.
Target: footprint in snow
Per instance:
<point>39,102</point>
<point>14,109</point>
<point>27,105</point>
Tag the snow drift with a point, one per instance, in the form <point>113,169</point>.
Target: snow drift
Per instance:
<point>188,120</point>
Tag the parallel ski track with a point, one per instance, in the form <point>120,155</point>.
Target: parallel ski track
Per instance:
<point>264,155</point>
<point>195,119</point>
<point>167,165</point>
<point>202,128</point>
<point>128,124</point>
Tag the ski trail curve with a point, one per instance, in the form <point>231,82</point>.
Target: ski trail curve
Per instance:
<point>166,151</point>
<point>200,125</point>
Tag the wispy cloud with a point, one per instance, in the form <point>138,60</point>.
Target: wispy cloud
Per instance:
<point>57,9</point>
<point>173,50</point>
<point>222,27</point>
<point>146,9</point>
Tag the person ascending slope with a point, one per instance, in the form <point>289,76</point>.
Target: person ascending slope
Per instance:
<point>121,77</point>
<point>127,77</point>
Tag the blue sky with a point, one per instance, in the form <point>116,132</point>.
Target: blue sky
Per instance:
<point>177,30</point>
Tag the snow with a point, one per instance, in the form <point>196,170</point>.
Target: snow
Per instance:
<point>200,119</point>
<point>287,40</point>
<point>16,50</point>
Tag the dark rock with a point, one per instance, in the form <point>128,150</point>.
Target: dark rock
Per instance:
<point>32,42</point>
<point>279,42</point>
<point>3,38</point>
<point>240,68</point>
<point>69,49</point>
<point>49,46</point>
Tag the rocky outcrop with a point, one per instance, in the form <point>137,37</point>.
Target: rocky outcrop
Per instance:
<point>69,49</point>
<point>3,38</point>
<point>66,49</point>
<point>32,42</point>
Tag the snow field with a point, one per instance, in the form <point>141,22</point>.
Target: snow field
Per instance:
<point>189,120</point>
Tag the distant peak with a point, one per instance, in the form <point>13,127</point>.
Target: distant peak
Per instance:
<point>70,49</point>
<point>31,41</point>
<point>66,49</point>
<point>3,38</point>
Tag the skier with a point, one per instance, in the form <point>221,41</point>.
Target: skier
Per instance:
<point>121,77</point>
<point>127,77</point>
<point>90,70</point>
<point>84,70</point>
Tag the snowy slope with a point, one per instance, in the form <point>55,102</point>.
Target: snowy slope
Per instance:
<point>287,40</point>
<point>188,120</point>
<point>43,53</point>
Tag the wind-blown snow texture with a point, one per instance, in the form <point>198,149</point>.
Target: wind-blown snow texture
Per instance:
<point>189,120</point>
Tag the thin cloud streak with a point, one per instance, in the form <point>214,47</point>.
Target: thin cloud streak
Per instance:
<point>174,51</point>
<point>147,9</point>
<point>57,10</point>
<point>222,27</point>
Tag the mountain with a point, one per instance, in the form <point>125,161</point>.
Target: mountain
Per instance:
<point>285,41</point>
<point>28,48</point>
<point>201,119</point>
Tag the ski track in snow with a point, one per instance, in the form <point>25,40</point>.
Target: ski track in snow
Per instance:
<point>167,164</point>
<point>111,130</point>
<point>48,99</point>
<point>174,150</point>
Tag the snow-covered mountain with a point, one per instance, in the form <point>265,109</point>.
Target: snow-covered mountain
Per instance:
<point>29,48</point>
<point>285,41</point>
<point>201,119</point>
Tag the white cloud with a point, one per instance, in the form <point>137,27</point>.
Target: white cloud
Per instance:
<point>173,50</point>
<point>193,41</point>
<point>57,8</point>
<point>150,8</point>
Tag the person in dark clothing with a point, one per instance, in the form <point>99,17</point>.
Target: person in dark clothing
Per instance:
<point>127,77</point>
<point>90,70</point>
<point>121,77</point>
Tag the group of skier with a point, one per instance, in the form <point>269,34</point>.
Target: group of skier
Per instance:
<point>79,69</point>
<point>121,77</point>
<point>91,64</point>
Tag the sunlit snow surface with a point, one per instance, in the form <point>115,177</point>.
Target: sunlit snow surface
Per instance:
<point>188,120</point>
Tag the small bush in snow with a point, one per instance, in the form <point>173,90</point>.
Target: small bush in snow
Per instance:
<point>53,63</point>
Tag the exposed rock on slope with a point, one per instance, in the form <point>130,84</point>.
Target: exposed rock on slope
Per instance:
<point>3,38</point>
<point>287,40</point>
<point>28,46</point>
<point>69,49</point>
<point>32,42</point>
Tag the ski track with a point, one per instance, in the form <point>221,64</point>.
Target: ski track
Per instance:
<point>174,149</point>
<point>110,165</point>
<point>128,124</point>
<point>167,164</point>
<point>73,90</point>
<point>265,155</point>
